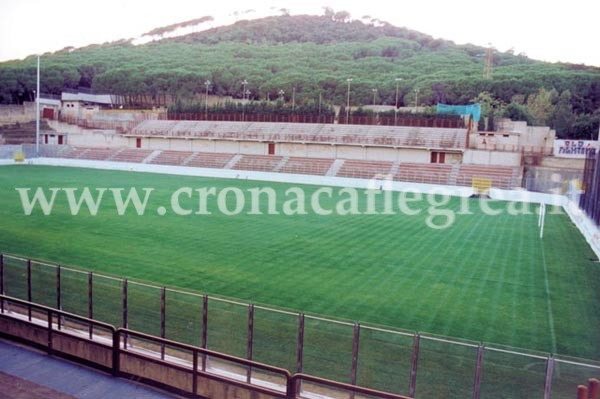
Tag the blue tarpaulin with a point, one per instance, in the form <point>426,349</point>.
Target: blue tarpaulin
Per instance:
<point>471,109</point>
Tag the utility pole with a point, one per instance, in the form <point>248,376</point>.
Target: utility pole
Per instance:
<point>374,95</point>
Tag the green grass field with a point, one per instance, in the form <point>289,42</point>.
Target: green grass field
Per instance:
<point>485,278</point>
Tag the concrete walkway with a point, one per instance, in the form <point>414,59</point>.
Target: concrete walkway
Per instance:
<point>28,373</point>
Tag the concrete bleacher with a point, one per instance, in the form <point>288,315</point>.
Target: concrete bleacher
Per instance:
<point>264,163</point>
<point>307,166</point>
<point>381,136</point>
<point>176,158</point>
<point>434,173</point>
<point>98,154</point>
<point>74,152</point>
<point>131,155</point>
<point>460,174</point>
<point>502,176</point>
<point>210,160</point>
<point>364,169</point>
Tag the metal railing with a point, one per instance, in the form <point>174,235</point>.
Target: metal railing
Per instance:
<point>382,359</point>
<point>276,382</point>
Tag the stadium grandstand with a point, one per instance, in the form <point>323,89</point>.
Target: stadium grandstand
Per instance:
<point>159,335</point>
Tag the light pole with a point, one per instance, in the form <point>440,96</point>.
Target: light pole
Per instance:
<point>37,110</point>
<point>281,93</point>
<point>244,83</point>
<point>247,96</point>
<point>293,99</point>
<point>374,95</point>
<point>348,100</point>
<point>320,99</point>
<point>207,84</point>
<point>398,80</point>
<point>416,99</point>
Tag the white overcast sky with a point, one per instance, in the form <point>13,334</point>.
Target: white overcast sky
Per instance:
<point>547,30</point>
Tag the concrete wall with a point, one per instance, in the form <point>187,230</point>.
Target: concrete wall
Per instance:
<point>416,156</point>
<point>563,163</point>
<point>98,138</point>
<point>291,150</point>
<point>320,151</point>
<point>140,367</point>
<point>480,157</point>
<point>351,152</point>
<point>494,140</point>
<point>182,378</point>
<point>10,114</point>
<point>24,330</point>
<point>180,145</point>
<point>529,136</point>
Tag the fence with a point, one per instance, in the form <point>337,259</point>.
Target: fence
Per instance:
<point>121,126</point>
<point>185,369</point>
<point>248,117</point>
<point>383,359</point>
<point>589,201</point>
<point>526,150</point>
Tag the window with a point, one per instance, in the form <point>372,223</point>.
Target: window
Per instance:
<point>438,157</point>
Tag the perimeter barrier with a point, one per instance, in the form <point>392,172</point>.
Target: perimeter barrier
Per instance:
<point>175,326</point>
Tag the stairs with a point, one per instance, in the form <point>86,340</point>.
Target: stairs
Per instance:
<point>335,167</point>
<point>281,164</point>
<point>150,157</point>
<point>453,174</point>
<point>189,159</point>
<point>233,161</point>
<point>113,156</point>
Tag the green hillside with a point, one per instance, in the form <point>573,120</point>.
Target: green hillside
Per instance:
<point>316,54</point>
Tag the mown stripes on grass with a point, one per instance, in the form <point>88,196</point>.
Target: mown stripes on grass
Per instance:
<point>482,279</point>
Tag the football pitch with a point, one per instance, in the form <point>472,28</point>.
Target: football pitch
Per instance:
<point>486,278</point>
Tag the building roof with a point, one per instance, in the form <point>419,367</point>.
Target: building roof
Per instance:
<point>104,99</point>
<point>363,135</point>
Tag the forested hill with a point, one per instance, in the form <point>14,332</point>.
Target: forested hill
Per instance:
<point>316,55</point>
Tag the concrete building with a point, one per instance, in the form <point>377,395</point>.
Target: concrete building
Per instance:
<point>85,106</point>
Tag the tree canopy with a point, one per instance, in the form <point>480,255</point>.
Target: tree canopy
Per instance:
<point>308,57</point>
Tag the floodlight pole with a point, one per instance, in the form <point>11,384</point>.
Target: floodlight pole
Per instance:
<point>207,84</point>
<point>396,109</point>
<point>37,110</point>
<point>416,99</point>
<point>348,101</point>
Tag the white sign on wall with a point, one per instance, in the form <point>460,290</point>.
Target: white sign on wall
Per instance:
<point>573,148</point>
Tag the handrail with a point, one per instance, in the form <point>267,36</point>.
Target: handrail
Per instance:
<point>296,378</point>
<point>57,312</point>
<point>291,381</point>
<point>203,351</point>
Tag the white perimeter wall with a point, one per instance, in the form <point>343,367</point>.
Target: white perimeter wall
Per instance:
<point>96,138</point>
<point>589,230</point>
<point>481,157</point>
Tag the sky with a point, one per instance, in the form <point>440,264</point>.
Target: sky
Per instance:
<point>550,31</point>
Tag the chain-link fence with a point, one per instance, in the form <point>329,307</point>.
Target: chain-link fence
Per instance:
<point>417,365</point>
